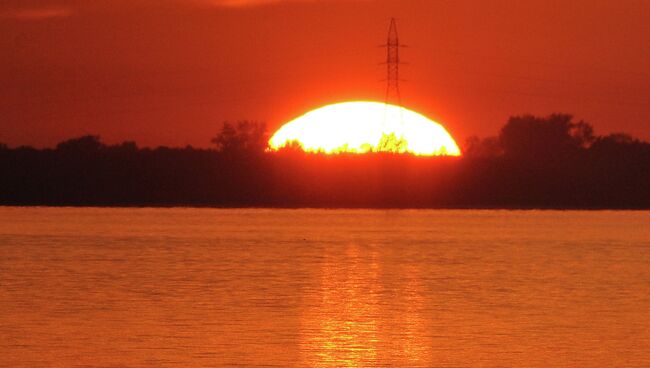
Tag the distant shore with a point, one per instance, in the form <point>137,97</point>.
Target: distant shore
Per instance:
<point>535,163</point>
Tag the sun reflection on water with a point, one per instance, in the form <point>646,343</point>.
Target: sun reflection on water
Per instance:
<point>340,326</point>
<point>345,324</point>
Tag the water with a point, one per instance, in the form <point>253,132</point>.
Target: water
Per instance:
<point>323,288</point>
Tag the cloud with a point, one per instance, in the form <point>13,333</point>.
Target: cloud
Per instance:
<point>37,13</point>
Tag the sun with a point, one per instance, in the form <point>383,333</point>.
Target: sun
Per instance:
<point>364,126</point>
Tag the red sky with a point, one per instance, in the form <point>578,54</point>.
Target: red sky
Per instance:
<point>168,72</point>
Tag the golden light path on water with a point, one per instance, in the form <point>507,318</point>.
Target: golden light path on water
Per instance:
<point>364,126</point>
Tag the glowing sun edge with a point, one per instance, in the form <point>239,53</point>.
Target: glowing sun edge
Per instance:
<point>364,126</point>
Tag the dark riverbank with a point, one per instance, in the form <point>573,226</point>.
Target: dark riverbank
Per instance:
<point>534,163</point>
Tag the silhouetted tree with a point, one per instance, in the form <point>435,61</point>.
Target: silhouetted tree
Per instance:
<point>476,147</point>
<point>616,139</point>
<point>616,145</point>
<point>84,144</point>
<point>246,137</point>
<point>556,136</point>
<point>125,147</point>
<point>392,143</point>
<point>292,147</point>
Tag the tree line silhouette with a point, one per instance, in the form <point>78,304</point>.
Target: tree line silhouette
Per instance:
<point>534,162</point>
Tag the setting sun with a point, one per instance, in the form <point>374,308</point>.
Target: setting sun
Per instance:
<point>362,127</point>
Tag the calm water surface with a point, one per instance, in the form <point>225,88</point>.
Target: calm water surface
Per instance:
<point>323,288</point>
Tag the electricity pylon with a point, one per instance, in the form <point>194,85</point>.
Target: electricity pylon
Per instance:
<point>392,65</point>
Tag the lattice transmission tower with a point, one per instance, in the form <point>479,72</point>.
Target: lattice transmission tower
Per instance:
<point>392,65</point>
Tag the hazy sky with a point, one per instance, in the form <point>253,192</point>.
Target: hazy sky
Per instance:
<point>168,72</point>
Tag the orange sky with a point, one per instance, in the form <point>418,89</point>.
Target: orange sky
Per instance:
<point>168,72</point>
